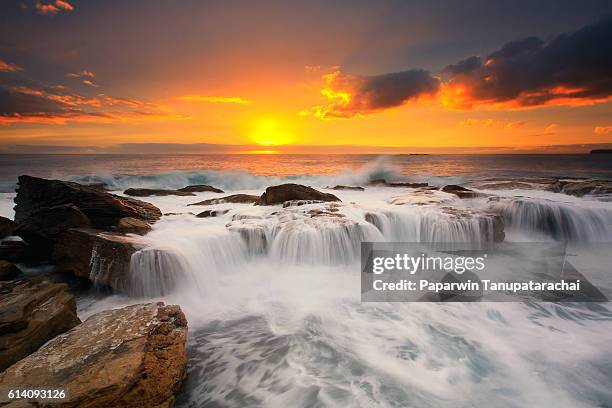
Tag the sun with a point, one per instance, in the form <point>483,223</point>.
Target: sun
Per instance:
<point>270,132</point>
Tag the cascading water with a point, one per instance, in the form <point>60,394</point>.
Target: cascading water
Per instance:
<point>557,220</point>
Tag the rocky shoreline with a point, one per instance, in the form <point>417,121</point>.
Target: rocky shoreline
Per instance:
<point>135,356</point>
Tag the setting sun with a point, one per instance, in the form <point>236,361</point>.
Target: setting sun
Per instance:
<point>271,132</point>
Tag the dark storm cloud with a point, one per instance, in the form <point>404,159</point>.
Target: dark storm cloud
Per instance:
<point>570,69</point>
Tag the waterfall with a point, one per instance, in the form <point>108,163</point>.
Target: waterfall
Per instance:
<point>558,220</point>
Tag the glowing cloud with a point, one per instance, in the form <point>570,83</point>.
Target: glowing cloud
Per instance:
<point>8,67</point>
<point>602,130</point>
<point>54,7</point>
<point>216,99</point>
<point>81,74</point>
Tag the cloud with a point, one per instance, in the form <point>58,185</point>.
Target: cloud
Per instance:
<point>50,8</point>
<point>81,74</point>
<point>571,69</point>
<point>515,125</point>
<point>89,83</point>
<point>353,95</point>
<point>216,99</point>
<point>52,105</point>
<point>551,128</point>
<point>602,130</point>
<point>485,123</point>
<point>9,67</point>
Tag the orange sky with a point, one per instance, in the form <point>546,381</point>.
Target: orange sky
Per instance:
<point>236,92</point>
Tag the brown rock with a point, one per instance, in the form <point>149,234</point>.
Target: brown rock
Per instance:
<point>102,257</point>
<point>130,357</point>
<point>6,227</point>
<point>289,192</point>
<point>235,198</point>
<point>129,225</point>
<point>460,192</point>
<point>42,227</point>
<point>580,188</point>
<point>8,270</point>
<point>201,188</point>
<point>31,313</point>
<point>147,192</point>
<point>385,183</point>
<point>211,213</point>
<point>17,251</point>
<point>103,209</point>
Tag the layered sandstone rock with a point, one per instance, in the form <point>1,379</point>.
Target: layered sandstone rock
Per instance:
<point>129,357</point>
<point>31,313</point>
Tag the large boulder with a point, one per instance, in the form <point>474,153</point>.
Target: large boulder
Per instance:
<point>130,357</point>
<point>234,199</point>
<point>101,208</point>
<point>147,192</point>
<point>6,227</point>
<point>31,313</point>
<point>8,270</point>
<point>129,225</point>
<point>289,192</point>
<point>102,257</point>
<point>42,227</point>
<point>200,188</point>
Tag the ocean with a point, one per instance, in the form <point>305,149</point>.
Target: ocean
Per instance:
<point>272,294</point>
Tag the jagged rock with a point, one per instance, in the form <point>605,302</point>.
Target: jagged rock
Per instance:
<point>42,227</point>
<point>129,225</point>
<point>201,188</point>
<point>18,251</point>
<point>103,209</point>
<point>130,357</point>
<point>460,192</point>
<point>147,192</point>
<point>288,192</point>
<point>8,270</point>
<point>235,198</point>
<point>102,257</point>
<point>31,313</point>
<point>355,188</point>
<point>211,213</point>
<point>580,188</point>
<point>175,213</point>
<point>6,227</point>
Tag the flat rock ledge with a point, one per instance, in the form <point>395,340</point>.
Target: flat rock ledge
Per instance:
<point>129,357</point>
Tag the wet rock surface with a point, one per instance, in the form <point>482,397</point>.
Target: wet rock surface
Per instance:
<point>101,208</point>
<point>353,188</point>
<point>385,183</point>
<point>211,213</point>
<point>6,227</point>
<point>129,225</point>
<point>148,192</point>
<point>461,192</point>
<point>129,357</point>
<point>289,192</point>
<point>31,313</point>
<point>581,188</point>
<point>8,270</point>
<point>200,188</point>
<point>102,257</point>
<point>235,199</point>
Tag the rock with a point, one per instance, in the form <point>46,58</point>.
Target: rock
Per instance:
<point>103,209</point>
<point>102,257</point>
<point>355,188</point>
<point>129,225</point>
<point>200,188</point>
<point>235,198</point>
<point>580,188</point>
<point>288,192</point>
<point>6,227</point>
<point>298,203</point>
<point>211,213</point>
<point>18,251</point>
<point>383,182</point>
<point>8,270</point>
<point>42,227</point>
<point>461,192</point>
<point>130,357</point>
<point>492,225</point>
<point>31,313</point>
<point>147,192</point>
<point>175,213</point>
